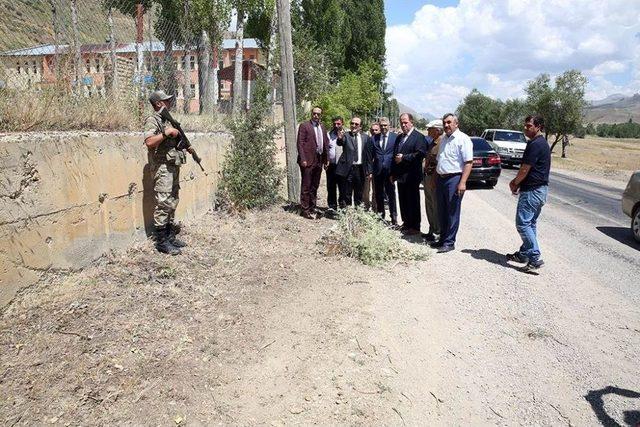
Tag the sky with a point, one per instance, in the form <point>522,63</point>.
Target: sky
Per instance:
<point>438,51</point>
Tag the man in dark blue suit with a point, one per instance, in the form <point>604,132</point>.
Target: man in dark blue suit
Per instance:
<point>381,147</point>
<point>409,151</point>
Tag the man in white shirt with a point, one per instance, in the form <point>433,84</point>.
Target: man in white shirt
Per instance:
<point>455,160</point>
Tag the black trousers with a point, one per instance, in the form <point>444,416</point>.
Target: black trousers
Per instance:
<point>334,188</point>
<point>409,197</point>
<point>353,186</point>
<point>382,185</point>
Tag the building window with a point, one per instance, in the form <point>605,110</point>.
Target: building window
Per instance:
<point>26,67</point>
<point>252,57</point>
<point>18,68</point>
<point>88,65</point>
<point>194,92</point>
<point>98,66</point>
<point>178,64</point>
<point>193,62</point>
<point>34,67</point>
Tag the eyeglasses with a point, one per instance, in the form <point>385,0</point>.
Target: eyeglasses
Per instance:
<point>354,123</point>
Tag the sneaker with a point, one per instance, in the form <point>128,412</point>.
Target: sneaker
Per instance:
<point>533,265</point>
<point>517,257</point>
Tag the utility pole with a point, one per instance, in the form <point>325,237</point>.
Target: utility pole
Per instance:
<point>288,99</point>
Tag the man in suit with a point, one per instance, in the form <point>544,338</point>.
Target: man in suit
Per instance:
<point>409,151</point>
<point>368,192</point>
<point>353,165</point>
<point>334,198</point>
<point>313,148</point>
<point>382,147</point>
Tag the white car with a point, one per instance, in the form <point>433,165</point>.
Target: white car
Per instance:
<point>509,144</point>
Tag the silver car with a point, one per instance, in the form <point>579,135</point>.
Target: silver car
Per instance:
<point>631,203</point>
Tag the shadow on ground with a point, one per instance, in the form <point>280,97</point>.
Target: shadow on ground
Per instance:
<point>595,399</point>
<point>621,234</point>
<point>491,256</point>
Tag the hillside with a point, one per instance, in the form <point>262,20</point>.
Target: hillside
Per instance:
<point>614,109</point>
<point>26,23</point>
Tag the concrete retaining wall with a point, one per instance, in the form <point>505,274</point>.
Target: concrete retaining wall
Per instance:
<point>68,198</point>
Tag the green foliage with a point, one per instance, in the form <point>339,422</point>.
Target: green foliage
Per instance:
<point>478,112</point>
<point>212,16</point>
<point>251,177</point>
<point>356,93</point>
<point>560,105</point>
<point>367,24</point>
<point>362,235</point>
<point>513,113</point>
<point>617,130</point>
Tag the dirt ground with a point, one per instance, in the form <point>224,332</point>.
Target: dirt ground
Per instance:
<point>613,158</point>
<point>254,326</point>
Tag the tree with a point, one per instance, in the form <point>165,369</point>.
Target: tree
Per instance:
<point>211,18</point>
<point>512,114</point>
<point>560,106</point>
<point>478,112</point>
<point>367,24</point>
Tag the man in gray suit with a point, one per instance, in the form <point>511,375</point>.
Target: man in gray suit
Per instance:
<point>354,164</point>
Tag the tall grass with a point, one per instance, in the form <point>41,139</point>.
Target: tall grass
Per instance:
<point>58,109</point>
<point>51,109</point>
<point>362,235</point>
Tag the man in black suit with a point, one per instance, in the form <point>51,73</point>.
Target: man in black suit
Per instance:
<point>382,147</point>
<point>410,149</point>
<point>354,163</point>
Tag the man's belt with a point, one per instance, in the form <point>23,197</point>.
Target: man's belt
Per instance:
<point>449,175</point>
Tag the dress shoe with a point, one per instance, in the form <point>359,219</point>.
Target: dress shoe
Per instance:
<point>306,215</point>
<point>411,232</point>
<point>436,244</point>
<point>445,249</point>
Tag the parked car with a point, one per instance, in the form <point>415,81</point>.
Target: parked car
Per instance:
<point>509,144</point>
<point>486,163</point>
<point>631,203</point>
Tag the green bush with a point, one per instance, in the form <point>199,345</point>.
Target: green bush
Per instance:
<point>251,177</point>
<point>362,235</point>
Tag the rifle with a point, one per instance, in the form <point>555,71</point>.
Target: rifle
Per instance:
<point>183,142</point>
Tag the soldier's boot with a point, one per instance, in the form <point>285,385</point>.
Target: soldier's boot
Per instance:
<point>163,243</point>
<point>173,230</point>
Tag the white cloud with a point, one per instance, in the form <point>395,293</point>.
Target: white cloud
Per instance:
<point>498,45</point>
<point>609,67</point>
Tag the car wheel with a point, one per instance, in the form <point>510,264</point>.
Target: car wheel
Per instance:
<point>635,224</point>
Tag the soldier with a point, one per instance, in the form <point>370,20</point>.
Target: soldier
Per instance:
<point>161,140</point>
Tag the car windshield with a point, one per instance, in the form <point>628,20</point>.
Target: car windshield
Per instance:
<point>480,144</point>
<point>509,136</point>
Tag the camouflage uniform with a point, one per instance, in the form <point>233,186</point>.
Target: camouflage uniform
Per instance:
<point>165,163</point>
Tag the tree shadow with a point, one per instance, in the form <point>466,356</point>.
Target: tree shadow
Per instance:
<point>491,256</point>
<point>595,399</point>
<point>621,234</point>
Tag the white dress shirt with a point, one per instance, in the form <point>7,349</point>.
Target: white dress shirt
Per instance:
<point>454,152</point>
<point>359,148</point>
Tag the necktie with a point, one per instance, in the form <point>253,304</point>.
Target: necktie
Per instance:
<point>318,140</point>
<point>383,142</point>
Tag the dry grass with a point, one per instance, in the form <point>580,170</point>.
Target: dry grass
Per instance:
<point>47,110</point>
<point>22,111</point>
<point>609,156</point>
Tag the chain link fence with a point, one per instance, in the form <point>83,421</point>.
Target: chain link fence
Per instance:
<point>65,63</point>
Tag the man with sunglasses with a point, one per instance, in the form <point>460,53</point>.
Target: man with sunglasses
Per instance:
<point>313,149</point>
<point>354,163</point>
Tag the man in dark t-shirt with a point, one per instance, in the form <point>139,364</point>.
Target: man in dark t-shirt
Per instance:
<point>531,183</point>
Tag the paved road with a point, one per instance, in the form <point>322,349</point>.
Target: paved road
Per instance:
<point>596,202</point>
<point>583,220</point>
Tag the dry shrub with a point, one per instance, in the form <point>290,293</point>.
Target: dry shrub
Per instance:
<point>55,109</point>
<point>363,235</point>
